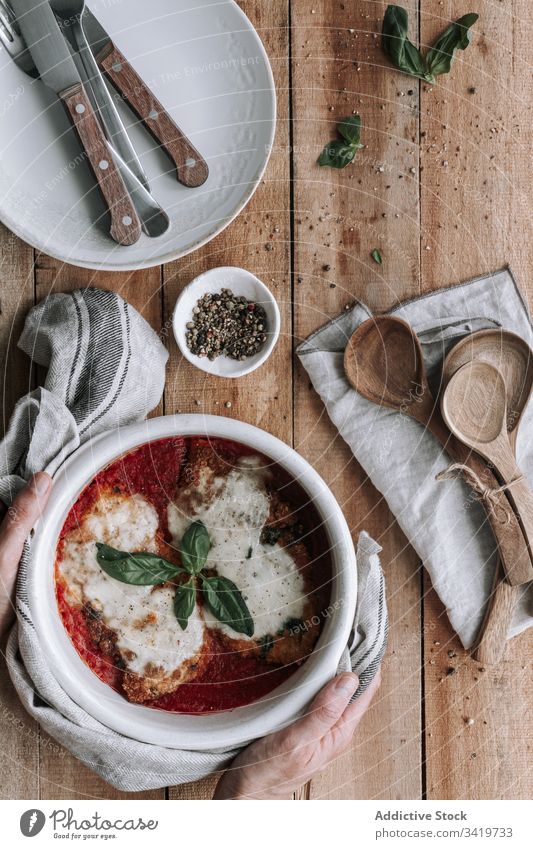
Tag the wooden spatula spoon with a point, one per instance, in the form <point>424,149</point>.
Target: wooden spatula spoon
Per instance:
<point>474,406</point>
<point>514,359</point>
<point>383,361</point>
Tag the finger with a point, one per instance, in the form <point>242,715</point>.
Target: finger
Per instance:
<point>22,516</point>
<point>355,712</point>
<point>326,710</point>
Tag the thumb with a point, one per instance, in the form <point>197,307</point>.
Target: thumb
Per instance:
<point>22,516</point>
<point>327,708</point>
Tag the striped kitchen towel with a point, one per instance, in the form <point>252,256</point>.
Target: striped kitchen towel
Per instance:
<point>106,369</point>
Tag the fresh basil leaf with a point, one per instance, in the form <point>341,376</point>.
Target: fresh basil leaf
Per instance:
<point>350,129</point>
<point>225,601</point>
<point>396,44</point>
<point>337,154</point>
<point>184,601</point>
<point>141,568</point>
<point>195,546</point>
<point>376,256</point>
<point>108,553</point>
<point>457,37</point>
<point>394,29</point>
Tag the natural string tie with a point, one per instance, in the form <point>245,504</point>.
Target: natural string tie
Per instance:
<point>484,492</point>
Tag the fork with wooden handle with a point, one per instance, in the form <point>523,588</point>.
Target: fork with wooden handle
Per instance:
<point>191,167</point>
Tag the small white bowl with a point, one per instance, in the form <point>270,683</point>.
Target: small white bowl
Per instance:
<point>241,282</point>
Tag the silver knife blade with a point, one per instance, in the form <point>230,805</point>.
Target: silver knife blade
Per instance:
<point>46,44</point>
<point>96,34</point>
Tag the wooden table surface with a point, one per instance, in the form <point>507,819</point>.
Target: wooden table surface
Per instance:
<point>444,189</point>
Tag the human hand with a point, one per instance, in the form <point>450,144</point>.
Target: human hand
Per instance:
<point>277,765</point>
<point>15,528</point>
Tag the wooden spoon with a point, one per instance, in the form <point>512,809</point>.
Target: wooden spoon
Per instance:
<point>383,361</point>
<point>474,407</point>
<point>514,359</point>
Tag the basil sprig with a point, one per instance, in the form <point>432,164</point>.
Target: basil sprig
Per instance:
<point>340,152</point>
<point>195,546</point>
<point>184,601</point>
<point>226,603</point>
<point>407,57</point>
<point>142,568</point>
<point>456,37</point>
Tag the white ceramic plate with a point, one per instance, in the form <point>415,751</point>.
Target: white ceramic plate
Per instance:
<point>207,65</point>
<point>229,728</point>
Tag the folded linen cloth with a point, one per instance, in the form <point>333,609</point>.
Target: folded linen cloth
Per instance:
<point>106,368</point>
<point>442,520</point>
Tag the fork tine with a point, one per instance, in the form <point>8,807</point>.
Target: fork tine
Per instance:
<point>12,40</point>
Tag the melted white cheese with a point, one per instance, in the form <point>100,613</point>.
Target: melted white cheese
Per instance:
<point>142,617</point>
<point>234,513</point>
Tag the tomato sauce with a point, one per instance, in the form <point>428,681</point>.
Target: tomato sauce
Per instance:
<point>228,679</point>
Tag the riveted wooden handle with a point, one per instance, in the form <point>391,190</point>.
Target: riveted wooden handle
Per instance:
<point>125,225</point>
<point>191,167</point>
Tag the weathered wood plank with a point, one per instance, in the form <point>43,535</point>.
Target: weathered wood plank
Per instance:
<point>19,733</point>
<point>263,398</point>
<point>476,186</point>
<point>340,217</point>
<point>16,297</point>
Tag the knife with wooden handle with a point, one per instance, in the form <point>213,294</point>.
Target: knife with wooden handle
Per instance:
<point>125,225</point>
<point>57,70</point>
<point>191,167</point>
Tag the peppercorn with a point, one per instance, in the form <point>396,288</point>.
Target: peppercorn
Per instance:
<point>225,323</point>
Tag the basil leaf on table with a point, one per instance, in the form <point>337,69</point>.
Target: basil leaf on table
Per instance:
<point>138,568</point>
<point>350,129</point>
<point>396,44</point>
<point>225,601</point>
<point>184,601</point>
<point>376,256</point>
<point>340,152</point>
<point>457,37</point>
<point>195,546</point>
<point>337,154</point>
<point>407,57</point>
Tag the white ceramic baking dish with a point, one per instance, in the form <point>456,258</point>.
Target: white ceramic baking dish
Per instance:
<point>224,729</point>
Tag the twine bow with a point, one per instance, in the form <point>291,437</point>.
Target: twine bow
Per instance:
<point>489,494</point>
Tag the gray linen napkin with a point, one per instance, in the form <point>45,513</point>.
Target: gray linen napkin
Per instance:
<point>442,520</point>
<point>106,368</point>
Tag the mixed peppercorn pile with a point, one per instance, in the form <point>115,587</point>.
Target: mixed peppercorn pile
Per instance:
<point>224,323</point>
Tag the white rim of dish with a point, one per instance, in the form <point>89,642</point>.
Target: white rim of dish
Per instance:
<point>15,228</point>
<point>150,725</point>
<point>269,345</point>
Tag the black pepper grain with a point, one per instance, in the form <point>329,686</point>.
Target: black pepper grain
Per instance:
<point>225,323</point>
